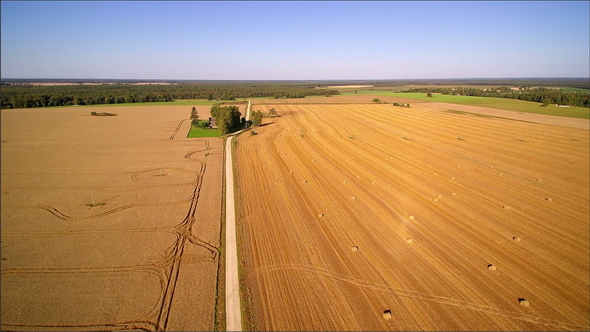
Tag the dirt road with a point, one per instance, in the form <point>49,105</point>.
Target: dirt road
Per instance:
<point>232,287</point>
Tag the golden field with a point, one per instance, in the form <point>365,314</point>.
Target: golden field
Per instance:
<point>109,223</point>
<point>375,217</point>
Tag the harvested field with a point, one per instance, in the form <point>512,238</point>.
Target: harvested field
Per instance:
<point>458,222</point>
<point>109,223</point>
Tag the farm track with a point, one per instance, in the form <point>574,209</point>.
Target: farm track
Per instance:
<point>405,210</point>
<point>177,129</point>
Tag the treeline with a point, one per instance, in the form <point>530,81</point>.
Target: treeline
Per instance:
<point>25,96</point>
<point>540,95</point>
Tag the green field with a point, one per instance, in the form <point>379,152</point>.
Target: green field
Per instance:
<point>198,132</point>
<point>499,103</point>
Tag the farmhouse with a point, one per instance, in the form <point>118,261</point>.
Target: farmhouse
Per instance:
<point>212,123</point>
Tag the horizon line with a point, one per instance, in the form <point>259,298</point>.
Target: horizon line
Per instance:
<point>333,79</point>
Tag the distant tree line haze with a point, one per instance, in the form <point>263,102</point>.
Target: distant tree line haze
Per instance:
<point>25,96</point>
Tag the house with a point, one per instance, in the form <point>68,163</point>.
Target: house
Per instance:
<point>213,123</point>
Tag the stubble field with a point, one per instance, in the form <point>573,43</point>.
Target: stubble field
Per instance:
<point>375,217</point>
<point>144,256</point>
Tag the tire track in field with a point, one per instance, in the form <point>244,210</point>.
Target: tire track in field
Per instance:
<point>63,216</point>
<point>177,129</point>
<point>60,215</point>
<point>185,233</point>
<point>188,155</point>
<point>136,325</point>
<point>413,295</point>
<point>29,235</point>
<point>135,176</point>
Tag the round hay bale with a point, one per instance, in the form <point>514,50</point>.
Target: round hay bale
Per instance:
<point>353,197</point>
<point>321,215</point>
<point>454,194</point>
<point>359,177</point>
<point>409,240</point>
<point>291,172</point>
<point>523,302</point>
<point>355,248</point>
<point>411,217</point>
<point>548,199</point>
<point>500,173</point>
<point>491,267</point>
<point>452,178</point>
<point>516,239</point>
<point>435,199</point>
<point>374,182</point>
<point>434,174</point>
<point>506,207</point>
<point>387,314</point>
<point>538,180</point>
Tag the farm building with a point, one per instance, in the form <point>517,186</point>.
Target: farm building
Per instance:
<point>212,122</point>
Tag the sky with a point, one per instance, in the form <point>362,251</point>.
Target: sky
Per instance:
<point>294,40</point>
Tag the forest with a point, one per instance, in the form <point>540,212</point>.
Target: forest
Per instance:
<point>25,95</point>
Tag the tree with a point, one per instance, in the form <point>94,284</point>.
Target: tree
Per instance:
<point>272,112</point>
<point>376,100</point>
<point>429,94</point>
<point>257,118</point>
<point>215,110</point>
<point>194,114</point>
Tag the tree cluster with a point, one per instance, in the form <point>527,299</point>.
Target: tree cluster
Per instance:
<point>24,96</point>
<point>229,118</point>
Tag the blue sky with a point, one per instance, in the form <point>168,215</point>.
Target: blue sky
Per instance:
<point>296,40</point>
